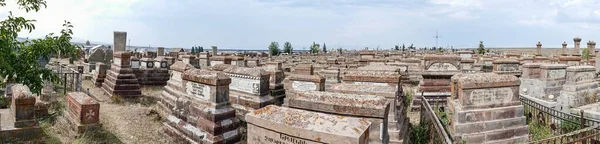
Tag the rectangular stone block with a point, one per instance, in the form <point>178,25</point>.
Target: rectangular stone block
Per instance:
<point>273,124</point>
<point>85,109</point>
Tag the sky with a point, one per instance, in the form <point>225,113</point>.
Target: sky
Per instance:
<point>351,24</point>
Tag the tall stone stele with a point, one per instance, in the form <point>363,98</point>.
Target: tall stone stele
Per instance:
<point>120,80</point>
<point>120,41</point>
<point>485,108</point>
<point>577,41</point>
<point>564,49</point>
<point>592,48</point>
<point>214,50</point>
<point>538,48</point>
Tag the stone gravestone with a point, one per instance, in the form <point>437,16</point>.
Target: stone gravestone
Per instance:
<point>174,91</point>
<point>22,106</point>
<point>209,117</point>
<point>507,66</point>
<point>120,41</point>
<point>148,74</point>
<point>83,111</point>
<point>97,55</point>
<point>398,127</point>
<point>215,60</point>
<point>20,120</point>
<point>332,76</point>
<point>436,76</point>
<point>371,107</point>
<point>160,51</point>
<point>543,82</point>
<point>570,60</point>
<point>296,82</point>
<point>120,80</point>
<point>304,69</point>
<point>249,89</point>
<point>485,108</point>
<point>580,85</point>
<point>273,124</point>
<point>276,80</point>
<point>161,62</point>
<point>99,74</point>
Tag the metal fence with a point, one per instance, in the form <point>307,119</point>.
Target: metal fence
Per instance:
<point>437,132</point>
<point>71,78</point>
<point>548,125</point>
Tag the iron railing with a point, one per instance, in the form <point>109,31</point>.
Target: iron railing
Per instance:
<point>71,79</point>
<point>437,131</point>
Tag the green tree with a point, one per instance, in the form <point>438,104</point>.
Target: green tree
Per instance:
<point>193,50</point>
<point>481,48</point>
<point>19,59</point>
<point>287,47</point>
<point>314,48</point>
<point>324,48</point>
<point>585,54</point>
<point>403,47</point>
<point>340,50</point>
<point>274,48</point>
<point>201,49</point>
<point>411,47</point>
<point>396,47</point>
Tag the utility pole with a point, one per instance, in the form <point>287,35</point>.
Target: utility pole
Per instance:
<point>436,38</point>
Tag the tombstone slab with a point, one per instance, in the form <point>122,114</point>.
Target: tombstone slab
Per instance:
<point>273,124</point>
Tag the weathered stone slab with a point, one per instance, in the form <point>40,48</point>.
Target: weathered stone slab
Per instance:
<point>304,83</point>
<point>338,103</point>
<point>23,106</point>
<point>273,124</point>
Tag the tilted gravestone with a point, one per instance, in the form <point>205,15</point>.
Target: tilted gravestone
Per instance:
<point>99,74</point>
<point>485,107</point>
<point>274,124</point>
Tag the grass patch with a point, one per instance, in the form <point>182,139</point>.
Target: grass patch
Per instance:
<point>539,131</point>
<point>420,133</point>
<point>116,99</point>
<point>98,135</point>
<point>47,136</point>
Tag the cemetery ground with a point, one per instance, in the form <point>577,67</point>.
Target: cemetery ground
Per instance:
<point>122,121</point>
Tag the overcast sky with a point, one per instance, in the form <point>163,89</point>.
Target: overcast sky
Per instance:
<point>254,24</point>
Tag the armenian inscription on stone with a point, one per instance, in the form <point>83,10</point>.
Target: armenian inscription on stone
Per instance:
<point>441,67</point>
<point>135,64</point>
<point>371,83</point>
<point>258,135</point>
<point>245,85</point>
<point>584,76</point>
<point>304,86</point>
<point>556,73</point>
<point>197,90</point>
<point>117,61</point>
<point>489,96</point>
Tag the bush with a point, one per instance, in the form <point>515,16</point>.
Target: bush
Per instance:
<point>539,131</point>
<point>420,133</point>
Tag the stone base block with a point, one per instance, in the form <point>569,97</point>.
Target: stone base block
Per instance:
<point>572,99</point>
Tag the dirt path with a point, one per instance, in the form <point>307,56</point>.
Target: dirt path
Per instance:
<point>130,121</point>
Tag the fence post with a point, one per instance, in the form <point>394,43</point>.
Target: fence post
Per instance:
<point>65,85</point>
<point>582,134</point>
<point>78,87</point>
